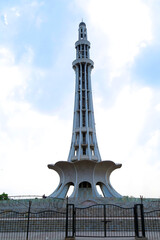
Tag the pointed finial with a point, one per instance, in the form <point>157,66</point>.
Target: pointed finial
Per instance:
<point>82,19</point>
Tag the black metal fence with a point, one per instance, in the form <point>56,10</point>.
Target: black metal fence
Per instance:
<point>28,225</point>
<point>112,221</point>
<point>95,221</point>
<point>152,224</point>
<point>100,221</point>
<point>104,221</point>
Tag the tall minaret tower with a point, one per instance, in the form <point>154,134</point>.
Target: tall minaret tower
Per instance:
<point>84,169</point>
<point>84,142</point>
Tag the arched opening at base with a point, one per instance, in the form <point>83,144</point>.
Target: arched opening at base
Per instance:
<point>85,190</point>
<point>99,189</point>
<point>70,189</point>
<point>84,185</point>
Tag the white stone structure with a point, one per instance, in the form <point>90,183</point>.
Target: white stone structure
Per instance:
<point>84,168</point>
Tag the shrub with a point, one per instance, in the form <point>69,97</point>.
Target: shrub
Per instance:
<point>4,196</point>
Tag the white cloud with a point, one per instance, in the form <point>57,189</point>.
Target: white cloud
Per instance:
<point>6,57</point>
<point>124,121</point>
<point>129,134</point>
<point>29,140</point>
<point>28,55</point>
<point>10,74</point>
<point>157,107</point>
<point>5,19</point>
<point>125,27</point>
<point>16,11</point>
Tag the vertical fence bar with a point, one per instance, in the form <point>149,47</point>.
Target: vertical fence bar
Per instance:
<point>136,221</point>
<point>29,211</point>
<point>67,220</point>
<point>142,220</point>
<point>104,215</point>
<point>70,221</point>
<point>73,221</point>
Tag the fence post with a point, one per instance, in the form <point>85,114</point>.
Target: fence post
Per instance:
<point>67,220</point>
<point>70,220</point>
<point>136,221</point>
<point>29,211</point>
<point>104,213</point>
<point>142,220</point>
<point>74,219</point>
<point>138,228</point>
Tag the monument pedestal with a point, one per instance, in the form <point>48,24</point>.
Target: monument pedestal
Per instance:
<point>84,175</point>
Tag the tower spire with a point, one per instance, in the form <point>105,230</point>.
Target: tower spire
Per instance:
<point>84,142</point>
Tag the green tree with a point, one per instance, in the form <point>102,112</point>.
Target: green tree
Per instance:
<point>4,196</point>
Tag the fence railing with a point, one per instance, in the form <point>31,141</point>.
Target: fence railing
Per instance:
<point>29,225</point>
<point>152,224</point>
<point>102,220</point>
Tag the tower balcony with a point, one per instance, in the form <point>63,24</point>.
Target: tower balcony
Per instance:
<point>85,42</point>
<point>82,60</point>
<point>84,129</point>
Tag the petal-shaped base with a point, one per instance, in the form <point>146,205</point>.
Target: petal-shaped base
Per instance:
<point>85,175</point>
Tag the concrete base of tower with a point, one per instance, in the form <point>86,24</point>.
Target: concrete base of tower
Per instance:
<point>86,176</point>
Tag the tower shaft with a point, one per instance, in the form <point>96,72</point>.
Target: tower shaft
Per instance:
<point>84,142</point>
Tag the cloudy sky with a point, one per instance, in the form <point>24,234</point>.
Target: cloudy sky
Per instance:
<point>37,90</point>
